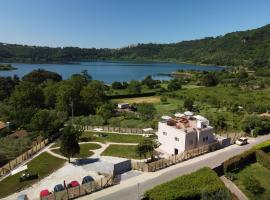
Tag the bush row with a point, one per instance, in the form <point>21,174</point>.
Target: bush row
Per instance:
<point>256,154</point>
<point>263,159</point>
<point>202,184</point>
<point>239,161</point>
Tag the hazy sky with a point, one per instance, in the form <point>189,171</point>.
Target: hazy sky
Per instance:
<point>118,23</point>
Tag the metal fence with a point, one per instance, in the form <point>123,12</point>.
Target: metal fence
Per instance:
<point>21,158</point>
<point>171,160</point>
<point>114,129</point>
<point>81,190</point>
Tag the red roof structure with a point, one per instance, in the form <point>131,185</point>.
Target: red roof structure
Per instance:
<point>74,184</point>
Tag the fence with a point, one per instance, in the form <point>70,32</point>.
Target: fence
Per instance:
<point>81,190</point>
<point>23,157</point>
<point>171,160</point>
<point>114,129</point>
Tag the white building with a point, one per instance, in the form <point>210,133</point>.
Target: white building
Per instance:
<point>184,132</point>
<point>123,105</point>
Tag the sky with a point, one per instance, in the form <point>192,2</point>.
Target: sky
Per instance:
<point>118,23</point>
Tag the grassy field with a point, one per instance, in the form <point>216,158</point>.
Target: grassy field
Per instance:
<point>85,150</point>
<point>152,99</point>
<point>113,137</point>
<point>261,174</point>
<point>123,151</point>
<point>43,165</point>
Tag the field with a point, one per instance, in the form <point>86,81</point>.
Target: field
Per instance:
<point>113,137</point>
<point>152,99</point>
<point>85,150</point>
<point>43,165</point>
<point>261,174</point>
<point>123,151</point>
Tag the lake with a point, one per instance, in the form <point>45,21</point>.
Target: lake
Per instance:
<point>110,71</point>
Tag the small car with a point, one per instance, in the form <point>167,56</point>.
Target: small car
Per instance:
<point>22,197</point>
<point>87,179</point>
<point>58,188</point>
<point>241,141</point>
<point>44,193</point>
<point>28,176</point>
<point>73,184</point>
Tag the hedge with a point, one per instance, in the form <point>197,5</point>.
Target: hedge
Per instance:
<point>256,154</point>
<point>263,159</point>
<point>119,96</point>
<point>239,161</point>
<point>202,184</point>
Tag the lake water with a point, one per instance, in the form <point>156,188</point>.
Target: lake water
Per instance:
<point>109,71</point>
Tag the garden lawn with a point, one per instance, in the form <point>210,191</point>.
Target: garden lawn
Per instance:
<point>122,151</point>
<point>113,137</point>
<point>85,150</point>
<point>43,165</point>
<point>261,174</point>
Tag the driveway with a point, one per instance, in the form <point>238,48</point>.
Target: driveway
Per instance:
<point>132,188</point>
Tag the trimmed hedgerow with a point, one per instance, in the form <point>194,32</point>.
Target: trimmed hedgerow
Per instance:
<point>263,159</point>
<point>239,161</point>
<point>202,184</point>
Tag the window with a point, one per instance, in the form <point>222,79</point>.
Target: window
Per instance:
<point>205,139</point>
<point>176,139</point>
<point>164,133</point>
<point>191,141</point>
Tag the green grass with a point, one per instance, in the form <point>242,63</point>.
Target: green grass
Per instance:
<point>113,137</point>
<point>261,174</point>
<point>85,150</point>
<point>43,165</point>
<point>168,108</point>
<point>190,186</point>
<point>123,151</point>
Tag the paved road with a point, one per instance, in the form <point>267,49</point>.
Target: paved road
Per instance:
<point>131,189</point>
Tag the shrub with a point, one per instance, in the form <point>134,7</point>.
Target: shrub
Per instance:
<point>231,176</point>
<point>163,99</point>
<point>263,159</point>
<point>253,185</point>
<point>202,184</point>
<point>239,161</point>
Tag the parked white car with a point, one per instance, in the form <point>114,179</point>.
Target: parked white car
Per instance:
<point>241,141</point>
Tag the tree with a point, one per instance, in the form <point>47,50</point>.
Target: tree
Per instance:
<point>175,84</point>
<point>40,75</point>
<point>147,146</point>
<point>7,85</point>
<point>47,122</point>
<point>50,92</point>
<point>149,82</point>
<point>134,87</point>
<point>70,141</point>
<point>93,95</point>
<point>117,85</point>
<point>146,111</point>
<point>210,79</point>
<point>106,111</point>
<point>188,104</point>
<point>26,95</point>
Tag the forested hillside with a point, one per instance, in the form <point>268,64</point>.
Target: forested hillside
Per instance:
<point>244,48</point>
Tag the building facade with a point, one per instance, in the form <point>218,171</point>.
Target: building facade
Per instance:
<point>184,133</point>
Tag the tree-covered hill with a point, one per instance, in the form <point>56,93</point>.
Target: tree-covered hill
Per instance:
<point>249,48</point>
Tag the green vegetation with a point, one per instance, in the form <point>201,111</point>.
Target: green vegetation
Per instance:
<point>112,137</point>
<point>242,48</point>
<point>123,151</point>
<point>202,184</point>
<point>6,67</point>
<point>254,181</point>
<point>85,150</point>
<point>43,165</point>
<point>70,142</point>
